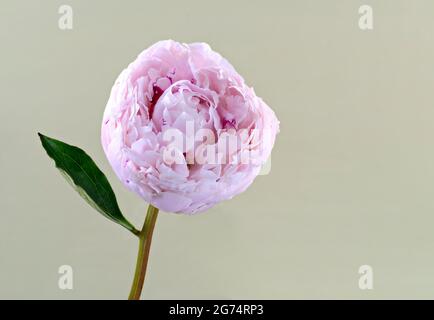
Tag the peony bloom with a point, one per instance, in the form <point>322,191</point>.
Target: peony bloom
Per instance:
<point>183,130</point>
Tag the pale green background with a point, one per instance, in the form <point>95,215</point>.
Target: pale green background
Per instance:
<point>352,177</point>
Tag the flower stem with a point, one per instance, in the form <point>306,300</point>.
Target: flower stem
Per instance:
<point>145,238</point>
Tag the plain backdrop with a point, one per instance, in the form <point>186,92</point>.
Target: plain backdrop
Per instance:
<point>352,175</point>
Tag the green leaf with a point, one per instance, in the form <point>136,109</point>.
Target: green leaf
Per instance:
<point>86,178</point>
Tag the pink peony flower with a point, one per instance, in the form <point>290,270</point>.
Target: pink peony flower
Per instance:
<point>183,130</point>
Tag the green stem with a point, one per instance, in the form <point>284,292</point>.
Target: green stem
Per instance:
<point>145,238</point>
